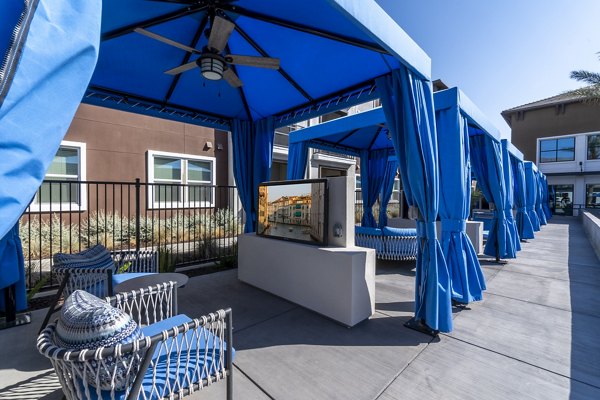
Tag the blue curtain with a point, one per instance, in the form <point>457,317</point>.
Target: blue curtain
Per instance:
<point>468,282</point>
<point>486,160</point>
<point>252,159</point>
<point>407,102</point>
<point>539,210</point>
<point>524,226</point>
<point>546,198</point>
<point>12,268</point>
<point>509,192</point>
<point>387,188</point>
<point>40,90</point>
<point>372,171</point>
<point>531,190</point>
<point>297,160</point>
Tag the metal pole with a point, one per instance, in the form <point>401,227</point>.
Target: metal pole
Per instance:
<point>137,215</point>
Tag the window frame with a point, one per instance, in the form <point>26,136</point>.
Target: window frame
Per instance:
<point>66,206</point>
<point>587,146</point>
<point>556,150</point>
<point>184,181</point>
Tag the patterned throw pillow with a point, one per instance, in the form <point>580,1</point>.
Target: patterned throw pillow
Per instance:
<point>87,322</point>
<point>94,257</point>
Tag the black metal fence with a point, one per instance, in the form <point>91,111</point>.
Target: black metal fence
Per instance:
<point>188,224</point>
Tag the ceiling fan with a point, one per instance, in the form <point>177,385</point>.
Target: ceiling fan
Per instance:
<point>213,64</point>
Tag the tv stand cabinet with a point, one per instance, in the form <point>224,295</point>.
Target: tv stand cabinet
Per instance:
<point>337,282</point>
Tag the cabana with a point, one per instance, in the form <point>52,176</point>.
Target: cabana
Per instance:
<point>539,199</point>
<point>487,166</point>
<point>511,155</point>
<point>523,222</point>
<point>545,197</point>
<point>531,187</point>
<point>245,66</point>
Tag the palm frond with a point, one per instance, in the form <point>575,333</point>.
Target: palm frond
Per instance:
<point>592,78</point>
<point>588,94</point>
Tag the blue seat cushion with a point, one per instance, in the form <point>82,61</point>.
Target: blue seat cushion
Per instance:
<point>388,231</point>
<point>161,361</point>
<point>125,276</point>
<point>363,230</point>
<point>188,342</point>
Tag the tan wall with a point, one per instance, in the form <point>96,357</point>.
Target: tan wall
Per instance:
<point>117,142</point>
<point>545,122</point>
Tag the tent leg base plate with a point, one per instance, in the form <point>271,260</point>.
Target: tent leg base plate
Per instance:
<point>21,319</point>
<point>420,326</point>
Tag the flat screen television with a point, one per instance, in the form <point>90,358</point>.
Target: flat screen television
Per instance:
<point>293,210</point>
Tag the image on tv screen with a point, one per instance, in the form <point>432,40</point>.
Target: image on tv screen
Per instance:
<point>293,211</point>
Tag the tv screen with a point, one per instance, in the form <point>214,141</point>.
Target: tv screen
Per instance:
<point>293,210</point>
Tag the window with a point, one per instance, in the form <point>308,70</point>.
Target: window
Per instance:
<point>180,180</point>
<point>358,189</point>
<point>561,199</point>
<point>593,147</point>
<point>395,191</point>
<point>557,150</point>
<point>61,189</point>
<point>592,196</point>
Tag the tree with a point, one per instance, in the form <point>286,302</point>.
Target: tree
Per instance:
<point>590,93</point>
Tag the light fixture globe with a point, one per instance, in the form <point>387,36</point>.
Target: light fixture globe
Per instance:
<point>212,66</point>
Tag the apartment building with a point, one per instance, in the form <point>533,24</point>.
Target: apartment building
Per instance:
<point>561,135</point>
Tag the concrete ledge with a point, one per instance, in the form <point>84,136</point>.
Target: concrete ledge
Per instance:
<point>591,226</point>
<point>337,282</point>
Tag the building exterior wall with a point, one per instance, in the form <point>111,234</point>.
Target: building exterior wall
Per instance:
<point>530,125</point>
<point>576,120</point>
<point>117,143</point>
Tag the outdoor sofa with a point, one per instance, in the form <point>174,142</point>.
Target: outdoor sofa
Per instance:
<point>389,243</point>
<point>131,346</point>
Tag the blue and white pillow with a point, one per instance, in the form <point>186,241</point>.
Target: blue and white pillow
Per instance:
<point>94,257</point>
<point>87,322</point>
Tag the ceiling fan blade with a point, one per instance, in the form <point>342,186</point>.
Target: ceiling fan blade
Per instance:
<point>232,78</point>
<point>182,68</point>
<point>219,33</point>
<point>261,62</point>
<point>165,40</point>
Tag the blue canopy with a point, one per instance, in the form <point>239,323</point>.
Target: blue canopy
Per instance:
<point>329,54</point>
<point>329,50</point>
<point>532,193</point>
<point>318,56</point>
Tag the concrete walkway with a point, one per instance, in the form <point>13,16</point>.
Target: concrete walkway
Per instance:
<point>535,336</point>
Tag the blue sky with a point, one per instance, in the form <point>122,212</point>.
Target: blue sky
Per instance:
<point>504,53</point>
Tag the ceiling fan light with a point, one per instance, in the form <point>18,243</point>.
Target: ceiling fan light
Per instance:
<point>212,68</point>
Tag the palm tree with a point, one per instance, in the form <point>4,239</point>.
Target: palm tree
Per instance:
<point>590,93</point>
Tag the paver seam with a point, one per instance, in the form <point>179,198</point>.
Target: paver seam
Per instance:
<point>543,305</point>
<point>265,320</point>
<point>382,391</point>
<point>549,277</point>
<point>519,360</point>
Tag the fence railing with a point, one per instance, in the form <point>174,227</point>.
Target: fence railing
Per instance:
<point>188,224</point>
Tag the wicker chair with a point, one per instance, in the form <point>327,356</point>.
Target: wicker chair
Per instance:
<point>177,355</point>
<point>99,281</point>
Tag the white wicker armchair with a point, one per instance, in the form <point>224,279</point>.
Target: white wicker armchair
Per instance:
<point>176,357</point>
<point>99,280</point>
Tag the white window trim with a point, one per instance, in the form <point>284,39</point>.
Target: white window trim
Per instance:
<point>82,176</point>
<point>184,203</point>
